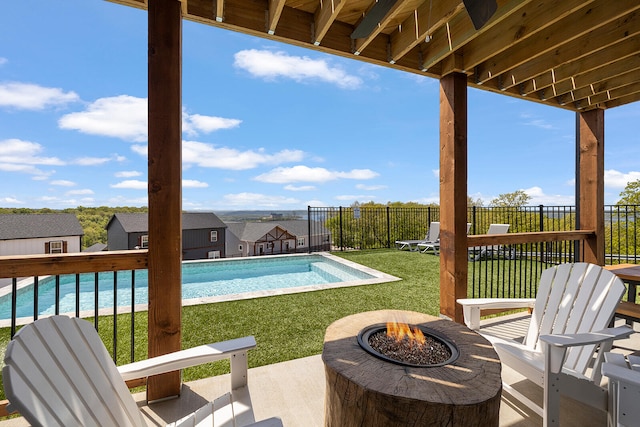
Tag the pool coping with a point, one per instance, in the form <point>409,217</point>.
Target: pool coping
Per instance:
<point>378,278</point>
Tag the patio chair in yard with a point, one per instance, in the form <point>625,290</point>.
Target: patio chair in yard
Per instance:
<point>567,335</point>
<point>476,253</point>
<point>433,235</point>
<point>58,373</point>
<point>424,247</point>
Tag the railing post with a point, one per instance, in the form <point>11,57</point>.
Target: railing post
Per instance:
<point>309,226</point>
<point>341,242</point>
<point>388,228</point>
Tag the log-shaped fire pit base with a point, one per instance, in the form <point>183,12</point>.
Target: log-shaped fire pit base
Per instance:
<point>365,390</point>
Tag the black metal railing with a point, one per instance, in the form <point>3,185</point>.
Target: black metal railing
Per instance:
<point>512,270</point>
<point>71,278</point>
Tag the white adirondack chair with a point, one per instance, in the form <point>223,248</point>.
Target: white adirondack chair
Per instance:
<point>58,373</point>
<point>624,388</point>
<point>567,334</point>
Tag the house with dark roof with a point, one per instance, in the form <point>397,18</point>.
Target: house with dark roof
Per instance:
<point>31,234</point>
<point>203,234</point>
<point>274,237</point>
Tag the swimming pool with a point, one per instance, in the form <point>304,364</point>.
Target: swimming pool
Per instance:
<point>202,281</point>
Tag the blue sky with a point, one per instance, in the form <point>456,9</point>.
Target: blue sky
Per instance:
<point>265,125</point>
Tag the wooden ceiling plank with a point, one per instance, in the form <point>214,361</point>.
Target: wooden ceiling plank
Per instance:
<point>602,26</point>
<point>275,11</point>
<point>529,41</point>
<point>563,74</point>
<point>623,100</point>
<point>324,18</point>
<point>219,10</point>
<point>602,86</point>
<point>612,94</point>
<point>424,20</point>
<point>600,76</point>
<point>361,44</point>
<point>459,31</point>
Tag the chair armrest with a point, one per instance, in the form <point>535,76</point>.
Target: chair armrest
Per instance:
<point>186,358</point>
<point>555,346</point>
<point>620,373</point>
<point>572,340</point>
<point>471,307</point>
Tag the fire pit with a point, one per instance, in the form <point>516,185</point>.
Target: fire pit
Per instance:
<point>409,345</point>
<point>377,378</point>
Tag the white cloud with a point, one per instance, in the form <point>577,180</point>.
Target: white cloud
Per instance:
<point>23,156</point>
<point>192,183</point>
<point>299,187</point>
<point>140,149</point>
<point>302,173</point>
<point>123,117</point>
<point>536,122</point>
<point>127,174</point>
<point>209,156</point>
<point>126,117</point>
<point>192,124</point>
<point>3,61</point>
<point>63,183</point>
<point>271,65</point>
<point>617,179</point>
<point>11,200</point>
<point>132,184</point>
<point>370,187</point>
<point>255,200</point>
<point>538,197</point>
<point>79,192</point>
<point>360,197</point>
<point>91,161</point>
<point>26,96</point>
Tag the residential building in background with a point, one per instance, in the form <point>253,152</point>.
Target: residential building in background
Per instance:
<point>203,234</point>
<point>33,234</point>
<point>274,237</point>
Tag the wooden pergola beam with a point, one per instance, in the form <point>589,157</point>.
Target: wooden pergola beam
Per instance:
<point>453,194</point>
<point>165,189</point>
<point>590,130</point>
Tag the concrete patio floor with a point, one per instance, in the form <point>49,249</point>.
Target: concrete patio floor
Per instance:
<point>294,391</point>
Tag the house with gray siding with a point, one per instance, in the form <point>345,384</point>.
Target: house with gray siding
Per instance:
<point>33,234</point>
<point>274,237</point>
<point>203,234</point>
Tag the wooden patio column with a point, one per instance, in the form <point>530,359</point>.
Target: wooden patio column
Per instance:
<point>165,189</point>
<point>453,194</point>
<point>590,130</point>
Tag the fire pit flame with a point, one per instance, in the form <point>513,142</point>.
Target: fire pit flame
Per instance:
<point>409,345</point>
<point>399,331</point>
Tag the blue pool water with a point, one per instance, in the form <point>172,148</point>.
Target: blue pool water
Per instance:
<point>199,279</point>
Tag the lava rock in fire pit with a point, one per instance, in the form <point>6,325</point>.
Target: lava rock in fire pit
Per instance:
<point>431,352</point>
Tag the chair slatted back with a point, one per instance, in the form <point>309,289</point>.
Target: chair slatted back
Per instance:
<point>434,232</point>
<point>58,373</point>
<point>574,298</point>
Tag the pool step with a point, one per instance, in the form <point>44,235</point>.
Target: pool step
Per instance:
<point>330,272</point>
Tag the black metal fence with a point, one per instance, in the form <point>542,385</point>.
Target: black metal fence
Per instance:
<point>496,271</point>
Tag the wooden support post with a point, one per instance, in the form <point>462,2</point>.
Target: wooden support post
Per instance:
<point>590,130</point>
<point>453,194</point>
<point>165,189</point>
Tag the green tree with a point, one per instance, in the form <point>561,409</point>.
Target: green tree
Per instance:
<point>508,200</point>
<point>631,194</point>
<point>471,202</point>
